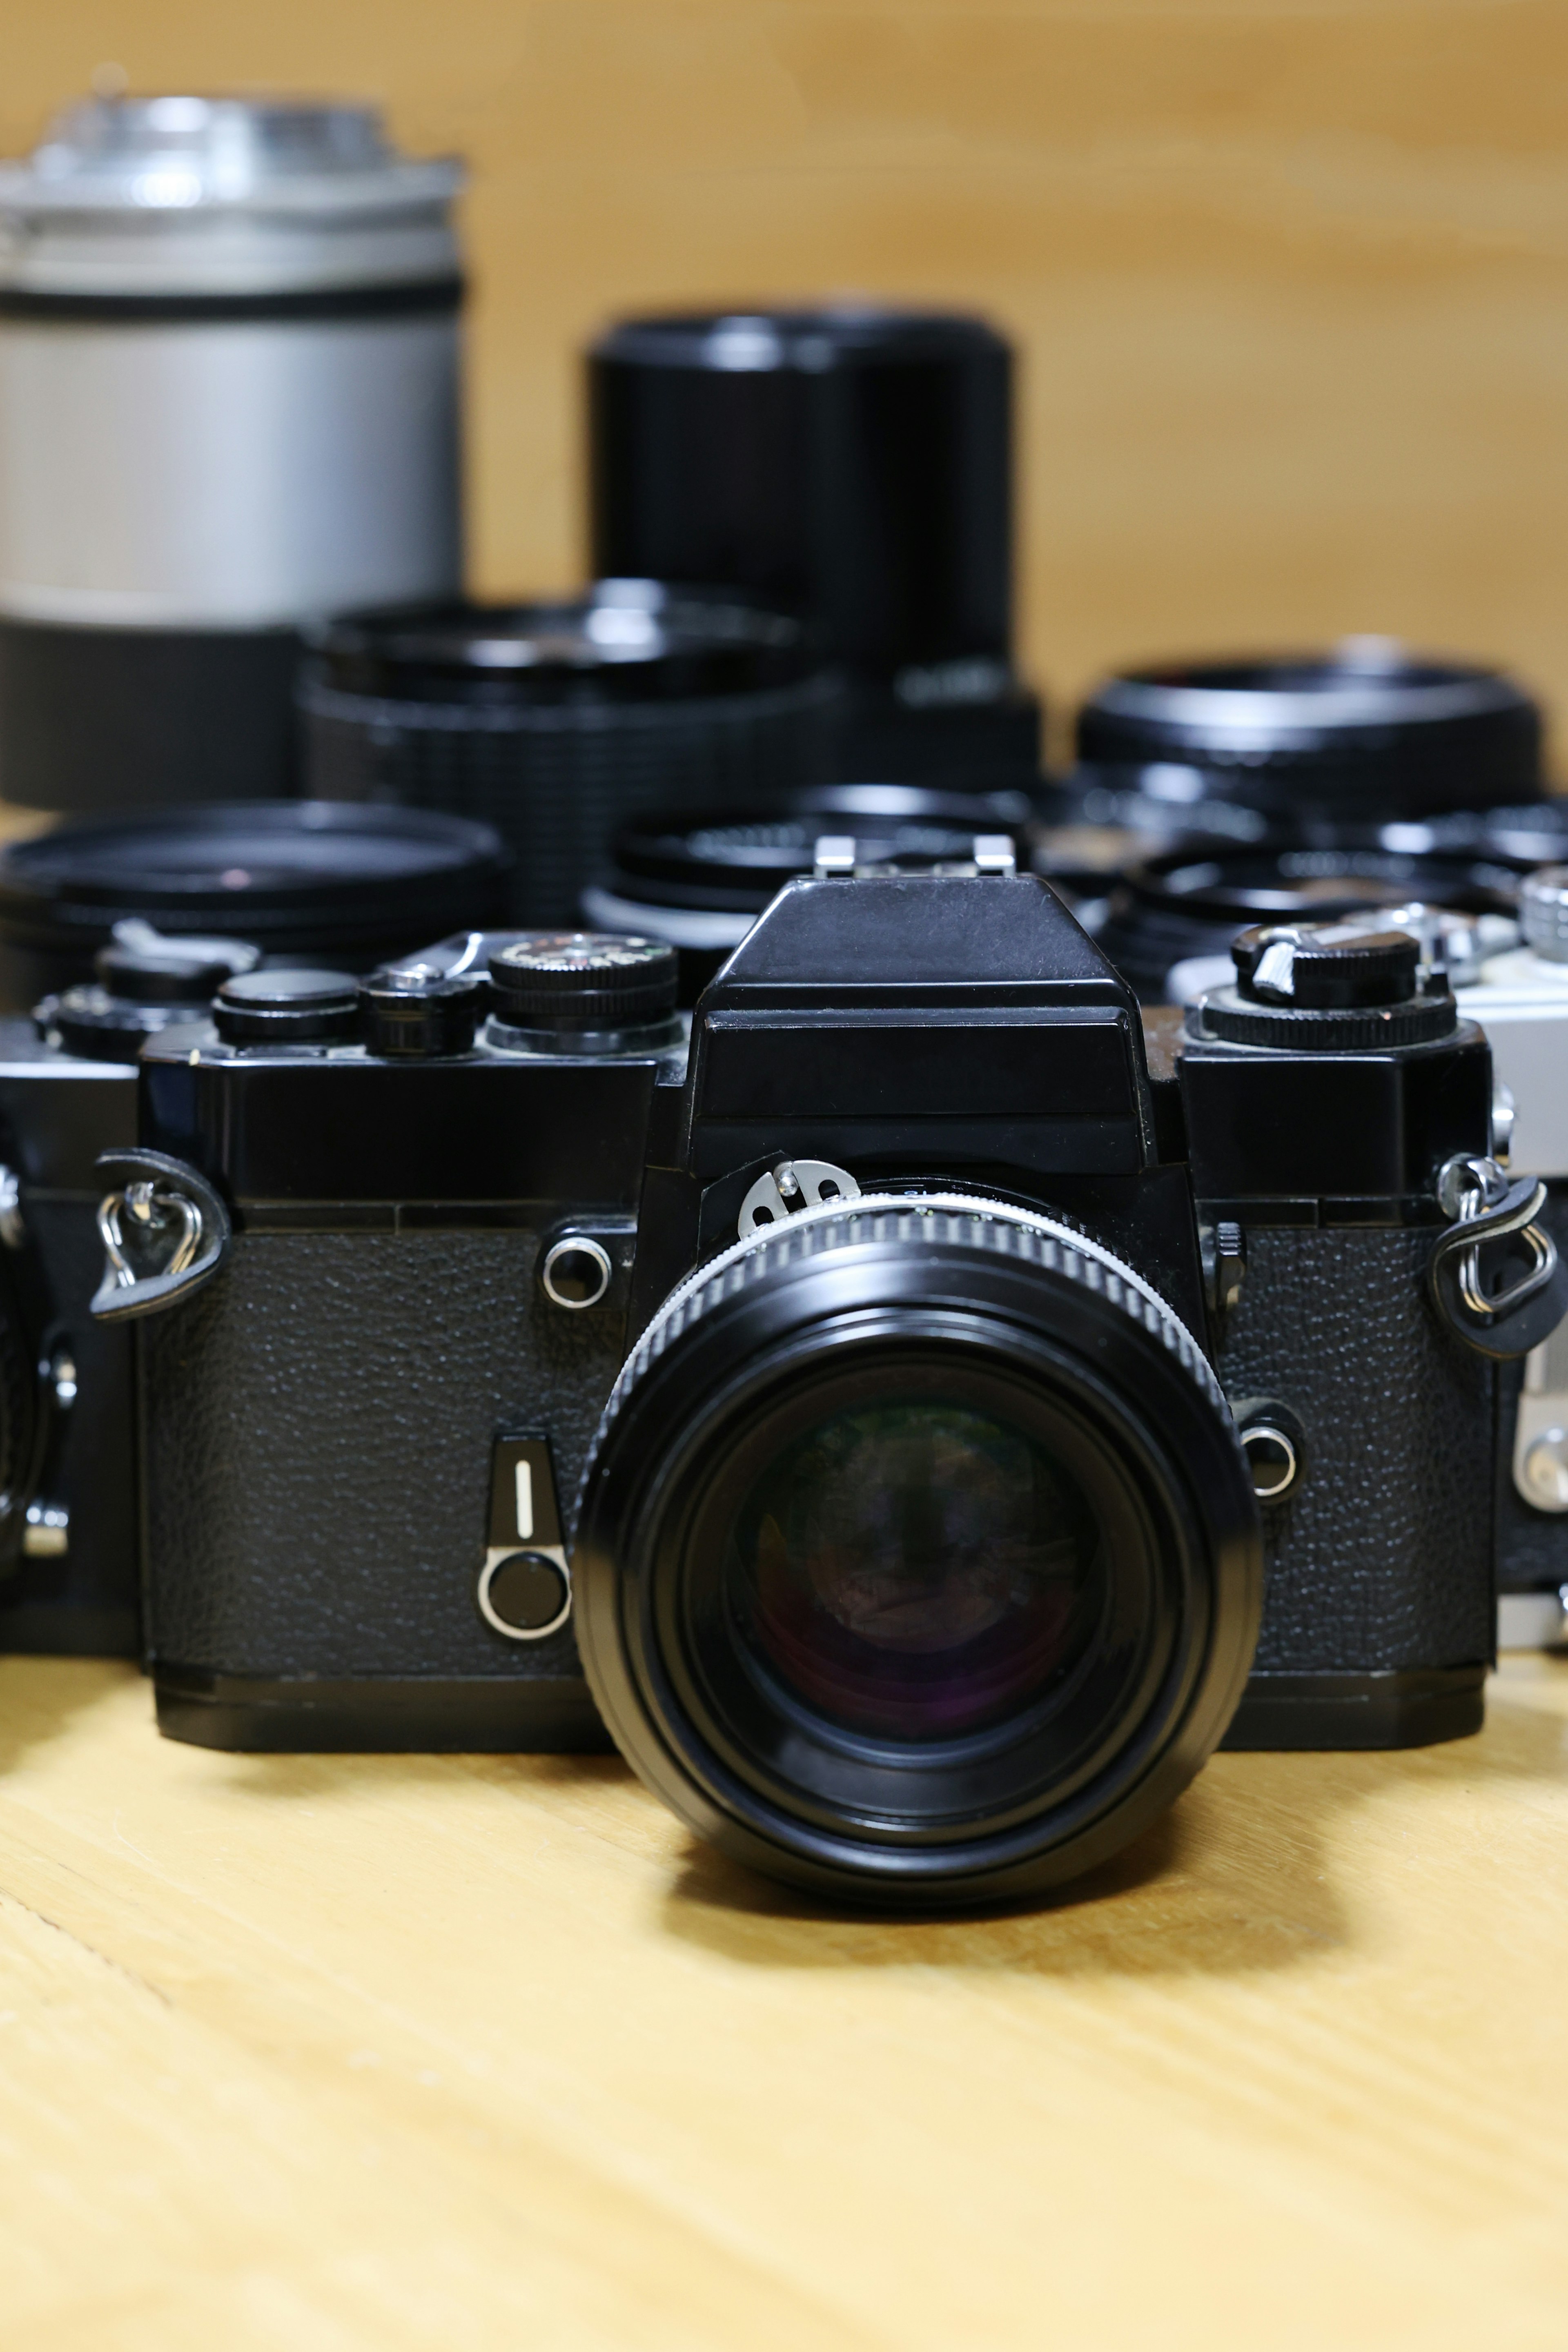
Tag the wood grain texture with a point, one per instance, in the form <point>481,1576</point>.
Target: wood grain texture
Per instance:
<point>328,2053</point>
<point>1290,277</point>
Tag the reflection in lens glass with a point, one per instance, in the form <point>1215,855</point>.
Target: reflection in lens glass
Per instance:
<point>914,1569</point>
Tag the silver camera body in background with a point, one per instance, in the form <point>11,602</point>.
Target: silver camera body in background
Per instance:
<point>228,405</point>
<point>1519,996</point>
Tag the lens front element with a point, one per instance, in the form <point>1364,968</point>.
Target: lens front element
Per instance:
<point>916,1559</point>
<point>913,1570</point>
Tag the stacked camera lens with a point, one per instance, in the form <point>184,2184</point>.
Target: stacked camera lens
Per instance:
<point>556,722</point>
<point>350,886</point>
<point>1188,906</point>
<point>852,464</point>
<point>229,401</point>
<point>699,878</point>
<point>1295,787</point>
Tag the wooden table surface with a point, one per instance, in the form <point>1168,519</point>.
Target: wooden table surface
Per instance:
<point>389,2052</point>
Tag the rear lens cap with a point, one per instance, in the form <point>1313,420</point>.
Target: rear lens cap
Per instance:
<point>287,1008</point>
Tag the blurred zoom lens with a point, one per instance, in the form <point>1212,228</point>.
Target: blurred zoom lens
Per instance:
<point>852,464</point>
<point>228,405</point>
<point>917,1559</point>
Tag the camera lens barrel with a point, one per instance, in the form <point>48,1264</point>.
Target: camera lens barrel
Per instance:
<point>228,401</point>
<point>556,722</point>
<point>918,1561</point>
<point>1367,734</point>
<point>854,465</point>
<point>296,878</point>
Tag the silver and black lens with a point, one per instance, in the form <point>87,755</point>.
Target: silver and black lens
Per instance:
<point>918,1561</point>
<point>229,402</point>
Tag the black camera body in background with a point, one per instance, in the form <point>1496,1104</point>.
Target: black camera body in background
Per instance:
<point>69,1571</point>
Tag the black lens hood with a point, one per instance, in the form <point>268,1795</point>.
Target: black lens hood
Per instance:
<point>999,1293</point>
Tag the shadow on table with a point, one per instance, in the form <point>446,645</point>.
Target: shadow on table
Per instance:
<point>1237,1878</point>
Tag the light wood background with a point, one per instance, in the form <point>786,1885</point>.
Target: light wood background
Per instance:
<point>481,2054</point>
<point>1289,277</point>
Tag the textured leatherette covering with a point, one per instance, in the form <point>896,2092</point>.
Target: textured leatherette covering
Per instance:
<point>1383,1560</point>
<point>317,1425</point>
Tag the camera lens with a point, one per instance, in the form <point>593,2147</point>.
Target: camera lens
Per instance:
<point>1366,735</point>
<point>1089,827</point>
<point>698,879</point>
<point>1187,908</point>
<point>297,879</point>
<point>855,464</point>
<point>914,1567</point>
<point>918,1558</point>
<point>554,722</point>
<point>229,401</point>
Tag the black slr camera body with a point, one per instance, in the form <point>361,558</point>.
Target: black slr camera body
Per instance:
<point>70,1559</point>
<point>839,1394</point>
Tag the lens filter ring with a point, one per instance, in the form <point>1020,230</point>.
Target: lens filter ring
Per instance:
<point>918,1561</point>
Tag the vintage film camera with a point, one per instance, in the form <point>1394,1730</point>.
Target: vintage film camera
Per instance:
<point>1519,995</point>
<point>104,929</point>
<point>919,1553</point>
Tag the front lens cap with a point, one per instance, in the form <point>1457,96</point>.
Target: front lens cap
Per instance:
<point>287,1008</point>
<point>584,980</point>
<point>422,1013</point>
